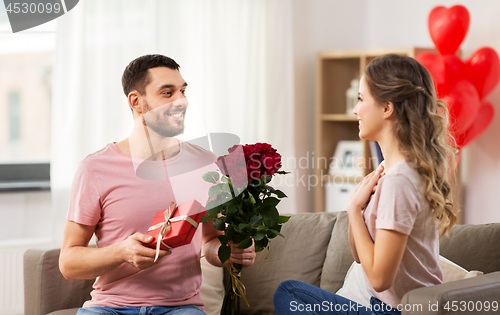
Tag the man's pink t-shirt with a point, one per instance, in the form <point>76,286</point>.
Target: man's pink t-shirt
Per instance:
<point>399,205</point>
<point>120,196</point>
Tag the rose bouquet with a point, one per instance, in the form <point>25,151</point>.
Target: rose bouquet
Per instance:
<point>243,206</point>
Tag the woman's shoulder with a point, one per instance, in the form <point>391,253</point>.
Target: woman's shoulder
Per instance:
<point>402,188</point>
<point>403,176</point>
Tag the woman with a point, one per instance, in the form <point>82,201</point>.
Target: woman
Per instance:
<point>405,202</point>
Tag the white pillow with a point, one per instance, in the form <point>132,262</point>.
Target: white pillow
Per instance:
<point>212,287</point>
<point>453,272</point>
<point>355,288</point>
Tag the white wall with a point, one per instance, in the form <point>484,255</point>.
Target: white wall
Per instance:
<point>317,25</point>
<point>335,24</point>
<point>25,215</point>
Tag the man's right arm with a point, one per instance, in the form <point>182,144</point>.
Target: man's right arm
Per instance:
<point>78,261</point>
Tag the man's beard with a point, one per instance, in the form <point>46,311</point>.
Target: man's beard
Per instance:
<point>155,120</point>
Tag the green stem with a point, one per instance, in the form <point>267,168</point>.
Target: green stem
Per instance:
<point>238,305</point>
<point>224,308</point>
<point>231,303</point>
<point>237,297</point>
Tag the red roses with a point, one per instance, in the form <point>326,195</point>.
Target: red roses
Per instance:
<point>249,162</point>
<point>242,204</point>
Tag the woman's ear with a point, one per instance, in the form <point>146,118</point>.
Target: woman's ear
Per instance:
<point>388,110</point>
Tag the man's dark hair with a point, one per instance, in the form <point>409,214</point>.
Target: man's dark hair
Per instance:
<point>136,75</point>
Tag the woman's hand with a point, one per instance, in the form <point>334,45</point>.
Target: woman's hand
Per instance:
<point>366,189</point>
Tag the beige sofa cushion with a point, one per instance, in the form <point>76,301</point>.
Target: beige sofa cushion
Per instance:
<point>299,256</point>
<point>338,256</point>
<point>473,247</point>
<point>68,311</point>
<point>45,289</point>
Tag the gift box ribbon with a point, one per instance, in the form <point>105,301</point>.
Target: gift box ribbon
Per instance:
<point>165,226</point>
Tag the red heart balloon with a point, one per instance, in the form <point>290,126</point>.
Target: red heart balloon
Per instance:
<point>483,70</point>
<point>448,27</point>
<point>483,120</point>
<point>463,104</point>
<point>434,63</point>
<point>454,72</point>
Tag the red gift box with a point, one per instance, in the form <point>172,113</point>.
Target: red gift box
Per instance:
<point>177,228</point>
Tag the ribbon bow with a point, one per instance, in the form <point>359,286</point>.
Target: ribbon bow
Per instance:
<point>166,227</point>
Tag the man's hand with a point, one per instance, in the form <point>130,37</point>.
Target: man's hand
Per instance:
<point>135,253</point>
<point>244,257</point>
<point>211,244</point>
<point>78,261</point>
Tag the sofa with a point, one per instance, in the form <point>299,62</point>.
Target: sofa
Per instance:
<point>315,250</point>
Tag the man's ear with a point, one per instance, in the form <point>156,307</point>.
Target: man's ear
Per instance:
<point>134,102</point>
<point>388,110</point>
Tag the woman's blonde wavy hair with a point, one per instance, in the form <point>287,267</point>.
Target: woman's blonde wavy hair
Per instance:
<point>420,126</point>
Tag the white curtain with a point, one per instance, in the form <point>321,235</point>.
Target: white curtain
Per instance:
<point>235,55</point>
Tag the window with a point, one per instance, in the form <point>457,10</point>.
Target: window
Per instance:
<point>26,60</point>
<point>25,97</point>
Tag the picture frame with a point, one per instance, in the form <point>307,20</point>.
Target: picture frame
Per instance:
<point>348,159</point>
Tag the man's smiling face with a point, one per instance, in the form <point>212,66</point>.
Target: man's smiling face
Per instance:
<point>165,103</point>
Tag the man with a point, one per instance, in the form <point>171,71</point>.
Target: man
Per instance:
<point>116,193</point>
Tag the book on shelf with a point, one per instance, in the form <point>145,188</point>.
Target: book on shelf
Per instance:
<point>376,156</point>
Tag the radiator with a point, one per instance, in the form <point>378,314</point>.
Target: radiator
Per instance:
<point>11,274</point>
